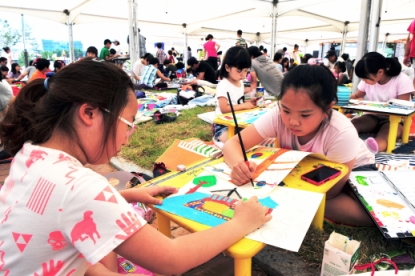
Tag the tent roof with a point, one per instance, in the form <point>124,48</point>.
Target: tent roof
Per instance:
<point>315,20</point>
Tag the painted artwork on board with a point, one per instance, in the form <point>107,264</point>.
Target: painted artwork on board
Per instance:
<point>390,200</point>
<point>210,200</point>
<point>273,172</point>
<point>245,118</point>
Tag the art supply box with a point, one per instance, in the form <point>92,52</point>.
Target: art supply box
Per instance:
<point>340,255</point>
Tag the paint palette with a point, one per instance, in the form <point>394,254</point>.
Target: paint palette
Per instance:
<point>389,198</point>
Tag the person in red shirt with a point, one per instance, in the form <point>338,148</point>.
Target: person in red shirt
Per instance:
<point>42,67</point>
<point>410,47</point>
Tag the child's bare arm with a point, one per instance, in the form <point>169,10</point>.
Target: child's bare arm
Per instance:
<point>155,252</point>
<point>226,108</point>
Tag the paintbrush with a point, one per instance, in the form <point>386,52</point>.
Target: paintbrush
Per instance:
<point>239,135</point>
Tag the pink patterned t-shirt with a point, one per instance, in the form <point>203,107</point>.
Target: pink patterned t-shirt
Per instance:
<point>58,217</point>
<point>337,139</point>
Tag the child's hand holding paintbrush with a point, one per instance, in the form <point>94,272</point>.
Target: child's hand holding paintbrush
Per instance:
<point>249,165</point>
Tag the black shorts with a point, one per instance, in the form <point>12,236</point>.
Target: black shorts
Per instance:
<point>381,120</point>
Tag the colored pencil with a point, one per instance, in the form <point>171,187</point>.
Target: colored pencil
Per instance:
<point>239,135</point>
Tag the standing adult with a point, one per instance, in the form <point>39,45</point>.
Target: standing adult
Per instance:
<point>284,52</point>
<point>202,70</point>
<point>189,52</point>
<point>296,54</point>
<point>160,53</point>
<point>410,47</point>
<point>265,70</point>
<point>117,46</point>
<point>8,56</point>
<point>211,50</point>
<point>240,41</point>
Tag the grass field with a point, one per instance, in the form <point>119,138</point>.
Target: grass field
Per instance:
<point>150,140</point>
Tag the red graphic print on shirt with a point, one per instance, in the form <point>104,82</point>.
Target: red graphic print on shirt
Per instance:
<point>63,157</point>
<point>106,195</point>
<point>85,229</point>
<point>57,240</point>
<point>6,214</point>
<point>35,155</point>
<point>52,269</point>
<point>21,240</point>
<point>7,188</point>
<point>40,196</point>
<point>69,175</point>
<point>130,225</point>
<point>2,263</point>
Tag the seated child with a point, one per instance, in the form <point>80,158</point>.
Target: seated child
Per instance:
<point>73,217</point>
<point>150,74</point>
<point>233,71</point>
<point>340,73</point>
<point>382,80</point>
<point>304,120</point>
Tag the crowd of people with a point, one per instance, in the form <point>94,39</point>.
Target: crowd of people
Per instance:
<point>76,223</point>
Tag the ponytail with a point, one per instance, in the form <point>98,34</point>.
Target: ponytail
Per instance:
<point>393,67</point>
<point>20,119</point>
<point>44,106</point>
<point>372,62</point>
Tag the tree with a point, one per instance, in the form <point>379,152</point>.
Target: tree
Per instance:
<point>78,53</point>
<point>8,36</point>
<point>21,58</point>
<point>46,54</point>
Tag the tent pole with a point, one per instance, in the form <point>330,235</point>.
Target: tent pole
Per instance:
<point>384,43</point>
<point>26,58</point>
<point>69,24</point>
<point>274,28</point>
<point>375,13</point>
<point>185,52</point>
<point>361,48</point>
<point>305,47</point>
<point>343,45</point>
<point>133,31</point>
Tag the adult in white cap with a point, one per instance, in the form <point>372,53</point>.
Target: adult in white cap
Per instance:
<point>117,46</point>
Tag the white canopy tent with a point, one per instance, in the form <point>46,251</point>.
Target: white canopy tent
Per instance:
<point>316,21</point>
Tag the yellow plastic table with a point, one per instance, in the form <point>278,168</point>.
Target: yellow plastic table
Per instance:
<point>244,249</point>
<point>394,120</point>
<point>230,123</point>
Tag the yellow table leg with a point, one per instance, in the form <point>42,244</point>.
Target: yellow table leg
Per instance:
<point>231,132</point>
<point>318,219</point>
<point>243,267</point>
<point>163,225</point>
<point>406,128</point>
<point>393,132</point>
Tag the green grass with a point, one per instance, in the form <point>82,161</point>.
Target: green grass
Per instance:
<point>149,141</point>
<point>372,243</point>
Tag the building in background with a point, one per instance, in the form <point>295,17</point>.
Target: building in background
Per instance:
<point>52,45</point>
